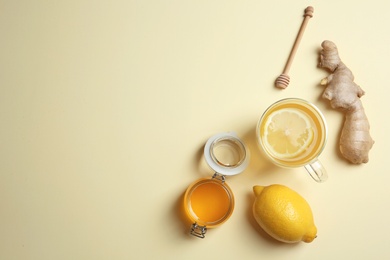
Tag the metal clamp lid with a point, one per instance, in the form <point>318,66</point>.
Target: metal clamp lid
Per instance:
<point>198,231</point>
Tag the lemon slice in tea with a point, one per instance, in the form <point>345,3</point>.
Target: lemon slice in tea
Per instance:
<point>287,133</point>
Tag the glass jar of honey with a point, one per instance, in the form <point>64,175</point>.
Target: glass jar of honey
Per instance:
<point>209,202</point>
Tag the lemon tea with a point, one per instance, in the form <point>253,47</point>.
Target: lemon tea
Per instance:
<point>292,132</point>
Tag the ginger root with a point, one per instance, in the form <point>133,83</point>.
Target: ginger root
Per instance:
<point>343,93</point>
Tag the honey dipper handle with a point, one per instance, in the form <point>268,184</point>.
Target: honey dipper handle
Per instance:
<point>308,14</point>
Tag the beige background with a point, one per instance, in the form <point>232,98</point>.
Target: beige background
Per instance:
<point>105,107</point>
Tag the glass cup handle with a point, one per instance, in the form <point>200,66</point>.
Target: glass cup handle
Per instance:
<point>317,171</point>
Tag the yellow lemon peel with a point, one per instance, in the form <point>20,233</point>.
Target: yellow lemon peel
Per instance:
<point>283,214</point>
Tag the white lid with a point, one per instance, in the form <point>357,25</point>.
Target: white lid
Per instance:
<point>226,154</point>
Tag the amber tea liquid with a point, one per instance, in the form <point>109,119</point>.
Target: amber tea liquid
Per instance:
<point>318,127</point>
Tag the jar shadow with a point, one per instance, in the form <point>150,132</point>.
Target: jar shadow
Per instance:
<point>179,212</point>
<point>204,170</point>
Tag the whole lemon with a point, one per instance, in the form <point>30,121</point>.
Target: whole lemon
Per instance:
<point>283,214</point>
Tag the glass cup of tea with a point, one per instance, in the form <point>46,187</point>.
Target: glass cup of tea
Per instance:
<point>292,132</point>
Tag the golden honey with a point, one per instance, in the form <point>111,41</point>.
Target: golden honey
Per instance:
<point>209,202</point>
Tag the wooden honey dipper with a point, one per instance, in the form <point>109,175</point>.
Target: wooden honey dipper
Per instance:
<point>284,79</point>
